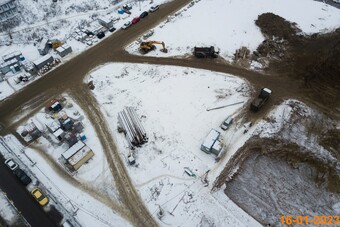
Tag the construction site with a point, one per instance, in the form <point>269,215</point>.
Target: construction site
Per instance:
<point>184,132</point>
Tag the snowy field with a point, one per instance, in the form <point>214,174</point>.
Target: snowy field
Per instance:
<point>173,103</point>
<point>228,25</point>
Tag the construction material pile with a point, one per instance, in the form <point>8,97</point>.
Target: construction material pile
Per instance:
<point>129,123</point>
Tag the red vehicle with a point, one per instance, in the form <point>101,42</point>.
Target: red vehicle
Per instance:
<point>135,20</point>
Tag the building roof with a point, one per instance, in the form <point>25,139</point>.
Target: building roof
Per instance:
<point>42,59</point>
<point>72,150</point>
<point>211,138</point>
<point>217,146</point>
<point>2,2</point>
<point>11,55</point>
<point>58,132</point>
<point>79,155</point>
<point>105,19</point>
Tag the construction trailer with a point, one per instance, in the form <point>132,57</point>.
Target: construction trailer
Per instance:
<point>41,62</point>
<point>211,143</point>
<point>44,46</point>
<point>106,22</point>
<point>7,66</point>
<point>64,50</point>
<point>77,155</point>
<point>129,123</point>
<point>14,55</point>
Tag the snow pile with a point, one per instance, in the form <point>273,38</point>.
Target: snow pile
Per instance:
<point>229,25</point>
<point>7,210</point>
<point>172,103</point>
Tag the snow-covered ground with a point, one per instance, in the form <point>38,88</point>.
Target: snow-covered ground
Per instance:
<point>173,103</point>
<point>229,25</point>
<point>7,211</point>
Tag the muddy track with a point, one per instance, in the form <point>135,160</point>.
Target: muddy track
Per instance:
<point>69,78</point>
<point>129,195</point>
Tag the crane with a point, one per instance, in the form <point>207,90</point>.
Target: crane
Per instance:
<point>147,46</point>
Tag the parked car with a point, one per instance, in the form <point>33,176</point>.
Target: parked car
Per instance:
<point>127,6</point>
<point>144,14</point>
<point>226,123</point>
<point>11,164</point>
<point>154,8</point>
<point>126,25</point>
<point>40,197</point>
<point>112,29</point>
<point>100,35</point>
<point>22,176</point>
<point>135,20</point>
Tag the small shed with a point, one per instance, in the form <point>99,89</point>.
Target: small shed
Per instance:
<point>41,62</point>
<point>106,22</point>
<point>59,134</point>
<point>210,140</point>
<point>29,67</point>
<point>64,50</point>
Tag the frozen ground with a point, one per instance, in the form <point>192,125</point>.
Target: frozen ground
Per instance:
<point>229,25</point>
<point>173,102</point>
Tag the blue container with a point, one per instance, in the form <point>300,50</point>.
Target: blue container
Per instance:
<point>82,137</point>
<point>22,58</point>
<point>121,11</point>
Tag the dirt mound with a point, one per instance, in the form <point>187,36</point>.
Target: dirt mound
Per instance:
<point>274,25</point>
<point>310,61</point>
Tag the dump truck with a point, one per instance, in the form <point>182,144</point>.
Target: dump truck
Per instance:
<point>258,102</point>
<point>205,52</point>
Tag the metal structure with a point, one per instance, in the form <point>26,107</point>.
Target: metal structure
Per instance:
<point>130,124</point>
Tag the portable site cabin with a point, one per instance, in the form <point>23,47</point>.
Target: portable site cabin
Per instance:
<point>64,50</point>
<point>41,62</point>
<point>105,21</point>
<point>44,47</point>
<point>14,55</point>
<point>77,155</point>
<point>216,148</point>
<point>209,141</point>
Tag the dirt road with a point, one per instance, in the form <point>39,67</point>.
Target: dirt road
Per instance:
<point>69,78</point>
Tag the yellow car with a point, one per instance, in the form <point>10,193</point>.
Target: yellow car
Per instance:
<point>40,197</point>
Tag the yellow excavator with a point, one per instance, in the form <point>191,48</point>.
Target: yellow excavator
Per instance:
<point>147,46</point>
<point>56,44</point>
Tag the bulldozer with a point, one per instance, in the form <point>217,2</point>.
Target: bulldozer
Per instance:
<point>147,46</point>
